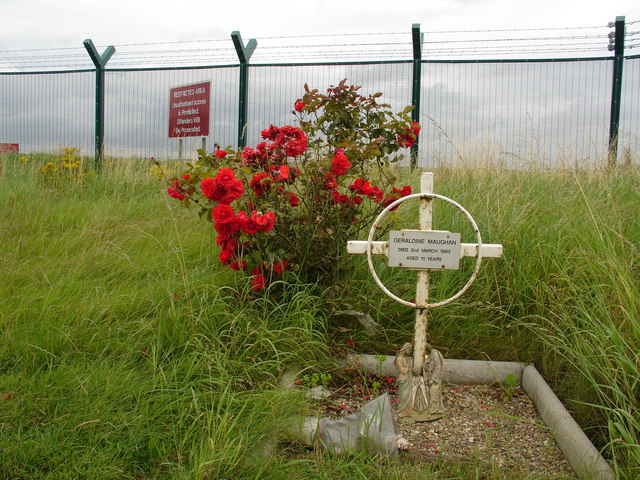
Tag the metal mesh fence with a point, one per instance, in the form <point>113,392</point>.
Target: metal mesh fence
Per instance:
<point>49,111</point>
<point>274,89</point>
<point>513,112</point>
<point>630,113</point>
<point>516,113</point>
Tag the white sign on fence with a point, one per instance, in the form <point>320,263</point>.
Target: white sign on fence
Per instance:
<point>421,250</point>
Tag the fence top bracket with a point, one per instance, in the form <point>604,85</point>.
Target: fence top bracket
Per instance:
<point>244,52</point>
<point>416,39</point>
<point>98,60</point>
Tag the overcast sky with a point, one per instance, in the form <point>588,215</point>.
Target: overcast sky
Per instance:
<point>66,23</point>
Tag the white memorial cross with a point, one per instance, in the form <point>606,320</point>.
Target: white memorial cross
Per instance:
<point>424,250</point>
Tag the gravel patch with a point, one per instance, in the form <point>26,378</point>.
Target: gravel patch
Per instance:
<point>482,422</point>
<point>490,423</point>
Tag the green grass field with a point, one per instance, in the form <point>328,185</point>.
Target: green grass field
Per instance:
<point>126,351</point>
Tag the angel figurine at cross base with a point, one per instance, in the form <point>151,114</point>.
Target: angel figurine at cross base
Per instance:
<point>420,393</point>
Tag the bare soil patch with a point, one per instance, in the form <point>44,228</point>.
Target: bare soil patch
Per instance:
<point>492,424</point>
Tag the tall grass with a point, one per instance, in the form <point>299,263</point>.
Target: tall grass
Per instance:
<point>123,352</point>
<point>126,352</point>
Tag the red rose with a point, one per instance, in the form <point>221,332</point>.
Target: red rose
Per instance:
<point>225,256</point>
<point>280,173</point>
<point>376,194</point>
<point>175,193</point>
<point>263,153</point>
<point>280,267</point>
<point>260,183</point>
<point>270,133</point>
<point>406,190</point>
<point>261,148</point>
<point>330,182</point>
<point>248,153</point>
<point>227,228</point>
<point>291,139</point>
<point>388,201</point>
<point>407,139</point>
<point>226,241</point>
<point>216,191</point>
<point>221,153</point>
<point>241,217</point>
<point>235,190</point>
<point>235,265</point>
<point>264,222</point>
<point>287,133</point>
<point>361,186</point>
<point>340,163</point>
<point>250,226</point>
<point>208,186</point>
<point>186,179</point>
<point>177,190</point>
<point>295,147</point>
<point>299,106</point>
<point>258,282</point>
<point>271,221</point>
<point>221,239</point>
<point>226,177</point>
<point>293,200</point>
<point>223,214</point>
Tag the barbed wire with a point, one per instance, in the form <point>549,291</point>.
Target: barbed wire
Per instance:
<point>177,42</point>
<point>537,29</point>
<point>43,49</point>
<point>443,31</point>
<point>383,47</point>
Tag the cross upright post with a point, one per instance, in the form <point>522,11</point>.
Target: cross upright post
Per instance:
<point>422,287</point>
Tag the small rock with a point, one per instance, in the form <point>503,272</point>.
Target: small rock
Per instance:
<point>318,393</point>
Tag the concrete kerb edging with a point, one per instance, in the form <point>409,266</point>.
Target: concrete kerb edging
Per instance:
<point>584,458</point>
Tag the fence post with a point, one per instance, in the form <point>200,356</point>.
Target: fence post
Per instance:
<point>416,38</point>
<point>244,54</point>
<point>99,61</point>
<point>618,60</point>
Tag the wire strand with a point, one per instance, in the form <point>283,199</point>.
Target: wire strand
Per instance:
<point>382,47</point>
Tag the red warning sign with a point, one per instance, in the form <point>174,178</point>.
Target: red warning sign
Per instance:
<point>189,110</point>
<point>9,148</point>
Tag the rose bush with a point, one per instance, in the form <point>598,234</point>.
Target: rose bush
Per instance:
<point>291,202</point>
